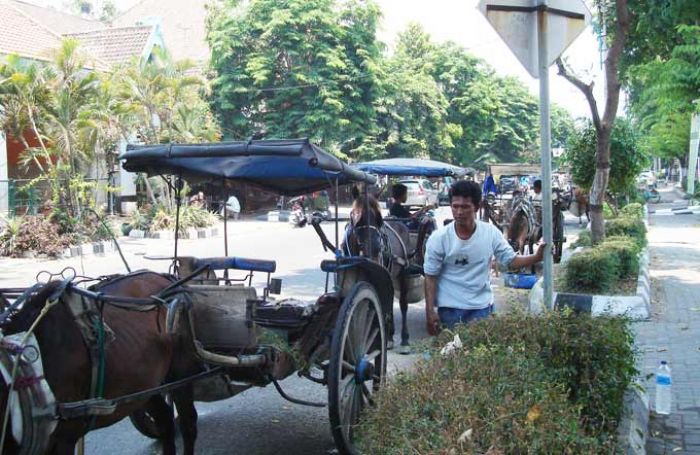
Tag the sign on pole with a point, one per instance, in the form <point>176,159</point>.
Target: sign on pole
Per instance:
<point>515,21</point>
<point>538,31</point>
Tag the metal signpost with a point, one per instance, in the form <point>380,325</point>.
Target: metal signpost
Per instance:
<point>538,32</point>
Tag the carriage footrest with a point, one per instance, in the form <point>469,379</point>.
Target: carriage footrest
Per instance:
<point>288,313</point>
<point>85,408</point>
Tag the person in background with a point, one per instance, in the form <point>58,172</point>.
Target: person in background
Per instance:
<point>457,282</point>
<point>537,188</point>
<point>233,207</point>
<point>489,186</point>
<point>198,200</point>
<point>417,221</point>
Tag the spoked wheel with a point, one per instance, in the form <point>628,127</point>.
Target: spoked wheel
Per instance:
<point>357,366</point>
<point>558,238</point>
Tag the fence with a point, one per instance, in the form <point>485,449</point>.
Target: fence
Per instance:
<point>27,197</point>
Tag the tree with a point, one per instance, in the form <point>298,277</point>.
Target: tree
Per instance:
<point>627,158</point>
<point>297,68</point>
<point>617,34</point>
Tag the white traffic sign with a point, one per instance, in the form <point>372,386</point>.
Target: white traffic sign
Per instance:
<point>516,23</point>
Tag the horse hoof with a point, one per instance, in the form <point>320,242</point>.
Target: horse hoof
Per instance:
<point>405,350</point>
<point>390,344</point>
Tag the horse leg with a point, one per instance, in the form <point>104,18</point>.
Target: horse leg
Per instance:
<point>187,413</point>
<point>403,304</point>
<point>63,447</point>
<point>163,415</point>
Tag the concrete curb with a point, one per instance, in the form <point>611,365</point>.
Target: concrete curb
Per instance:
<point>86,249</point>
<point>200,233</point>
<point>633,430</point>
<point>633,306</point>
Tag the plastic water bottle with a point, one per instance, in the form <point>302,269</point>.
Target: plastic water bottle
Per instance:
<point>663,389</point>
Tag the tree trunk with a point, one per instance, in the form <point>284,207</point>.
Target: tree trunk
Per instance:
<point>600,185</point>
<point>603,126</point>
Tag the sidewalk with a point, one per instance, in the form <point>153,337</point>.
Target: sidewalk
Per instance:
<point>673,332</point>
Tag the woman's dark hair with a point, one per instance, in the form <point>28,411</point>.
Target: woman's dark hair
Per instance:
<point>468,189</point>
<point>537,185</point>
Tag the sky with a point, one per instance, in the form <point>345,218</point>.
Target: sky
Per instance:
<point>461,22</point>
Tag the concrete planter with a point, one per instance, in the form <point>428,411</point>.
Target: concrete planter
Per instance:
<point>633,306</point>
<point>192,233</point>
<point>102,247</point>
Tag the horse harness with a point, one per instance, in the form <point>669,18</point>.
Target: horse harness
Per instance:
<point>522,205</point>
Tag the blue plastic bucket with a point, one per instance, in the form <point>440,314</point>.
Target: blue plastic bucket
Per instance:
<point>519,280</point>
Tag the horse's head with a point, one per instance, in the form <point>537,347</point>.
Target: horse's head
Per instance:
<point>364,236</point>
<point>18,318</point>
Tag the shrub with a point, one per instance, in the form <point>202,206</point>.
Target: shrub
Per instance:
<point>522,384</point>
<point>627,226</point>
<point>33,233</point>
<point>584,239</point>
<point>593,271</point>
<point>633,210</point>
<point>627,252</point>
<point>608,211</point>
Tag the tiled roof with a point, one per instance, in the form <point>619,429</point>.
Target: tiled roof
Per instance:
<point>20,34</point>
<point>56,21</point>
<point>182,24</point>
<point>115,45</point>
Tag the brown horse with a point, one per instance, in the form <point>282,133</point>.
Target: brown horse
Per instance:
<point>141,356</point>
<point>385,242</point>
<point>578,204</point>
<point>522,228</point>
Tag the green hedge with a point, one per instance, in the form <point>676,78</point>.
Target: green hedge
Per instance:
<point>521,384</point>
<point>627,226</point>
<point>592,271</point>
<point>627,252</point>
<point>633,210</point>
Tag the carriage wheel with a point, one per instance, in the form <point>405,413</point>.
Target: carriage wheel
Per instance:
<point>357,362</point>
<point>558,238</point>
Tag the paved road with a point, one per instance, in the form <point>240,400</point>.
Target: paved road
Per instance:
<point>257,421</point>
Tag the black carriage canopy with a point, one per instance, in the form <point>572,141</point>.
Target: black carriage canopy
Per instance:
<point>413,166</point>
<point>290,167</point>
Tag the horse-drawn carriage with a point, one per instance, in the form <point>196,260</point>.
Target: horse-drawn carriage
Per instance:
<point>518,215</point>
<point>403,240</point>
<point>201,332</point>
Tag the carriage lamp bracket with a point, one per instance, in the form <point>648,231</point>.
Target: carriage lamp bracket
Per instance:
<point>274,286</point>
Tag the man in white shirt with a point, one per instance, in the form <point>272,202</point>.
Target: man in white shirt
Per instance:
<point>457,282</point>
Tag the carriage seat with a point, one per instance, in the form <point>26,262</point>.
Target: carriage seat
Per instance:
<point>188,264</point>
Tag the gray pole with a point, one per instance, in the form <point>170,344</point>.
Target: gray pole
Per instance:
<point>543,59</point>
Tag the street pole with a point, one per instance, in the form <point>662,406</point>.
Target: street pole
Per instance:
<point>543,59</point>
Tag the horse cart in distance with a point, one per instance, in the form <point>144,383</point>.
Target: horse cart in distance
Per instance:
<point>403,240</point>
<point>518,215</point>
<point>237,336</point>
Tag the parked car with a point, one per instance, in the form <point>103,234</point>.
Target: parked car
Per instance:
<point>646,178</point>
<point>421,192</point>
<point>444,192</point>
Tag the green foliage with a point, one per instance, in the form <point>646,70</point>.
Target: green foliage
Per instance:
<point>628,226</point>
<point>627,159</point>
<point>660,61</point>
<point>521,384</point>
<point>32,234</point>
<point>162,217</point>
<point>315,68</point>
<point>294,69</point>
<point>584,239</point>
<point>593,271</point>
<point>633,210</point>
<point>627,252</point>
